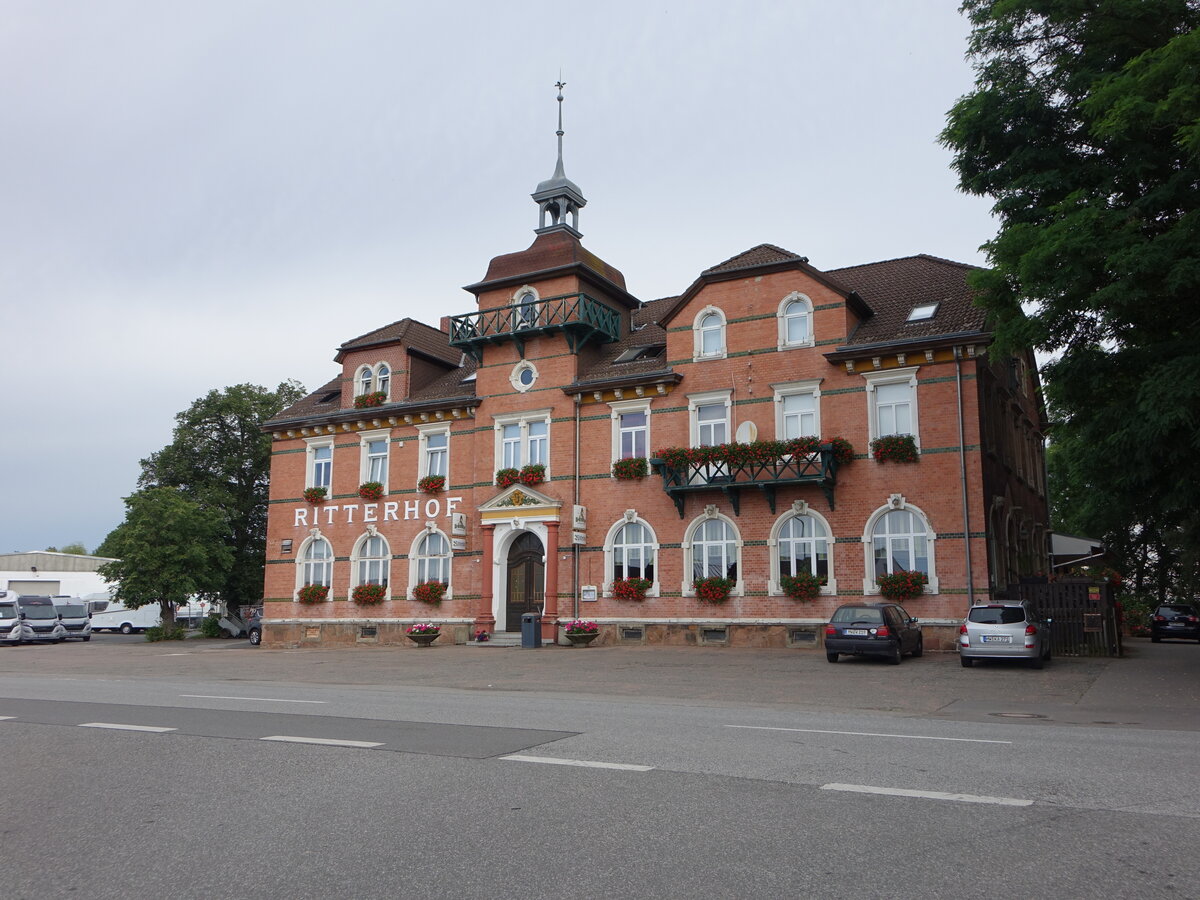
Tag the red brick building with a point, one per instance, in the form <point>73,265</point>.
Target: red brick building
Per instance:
<point>559,371</point>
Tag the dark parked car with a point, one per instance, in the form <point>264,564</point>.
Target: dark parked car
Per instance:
<point>873,629</point>
<point>1175,620</point>
<point>254,628</point>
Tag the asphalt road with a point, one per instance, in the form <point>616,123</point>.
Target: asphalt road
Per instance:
<point>627,772</point>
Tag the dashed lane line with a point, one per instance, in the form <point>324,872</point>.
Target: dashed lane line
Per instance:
<point>120,727</point>
<point>911,737</point>
<point>260,699</point>
<point>587,764</point>
<point>926,795</point>
<point>328,742</point>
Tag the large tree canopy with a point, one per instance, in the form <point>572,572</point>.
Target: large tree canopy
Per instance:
<point>1084,128</point>
<point>221,459</point>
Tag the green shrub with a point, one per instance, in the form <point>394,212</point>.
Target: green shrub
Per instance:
<point>210,627</point>
<point>161,633</point>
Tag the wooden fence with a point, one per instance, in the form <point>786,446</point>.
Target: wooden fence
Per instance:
<point>1084,613</point>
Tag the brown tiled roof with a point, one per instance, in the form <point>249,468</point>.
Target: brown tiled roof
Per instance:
<point>325,399</point>
<point>762,255</point>
<point>648,333</point>
<point>449,385</point>
<point>893,287</point>
<point>421,337</point>
<point>552,250</point>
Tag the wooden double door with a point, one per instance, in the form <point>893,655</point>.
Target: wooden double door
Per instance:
<point>526,579</point>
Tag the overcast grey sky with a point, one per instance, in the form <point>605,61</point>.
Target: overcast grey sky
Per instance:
<point>198,194</point>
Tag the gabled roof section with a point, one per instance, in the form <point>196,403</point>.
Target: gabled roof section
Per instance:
<point>894,287</point>
<point>415,335</point>
<point>765,258</point>
<point>325,399</point>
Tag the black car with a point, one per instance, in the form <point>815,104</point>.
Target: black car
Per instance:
<point>873,629</point>
<point>254,628</point>
<point>1175,620</point>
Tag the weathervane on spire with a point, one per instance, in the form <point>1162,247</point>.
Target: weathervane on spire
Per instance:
<point>559,199</point>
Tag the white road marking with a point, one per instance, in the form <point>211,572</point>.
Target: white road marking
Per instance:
<point>913,737</point>
<point>262,699</point>
<point>174,654</point>
<point>587,764</point>
<point>119,727</point>
<point>926,795</point>
<point>7,717</point>
<point>329,742</point>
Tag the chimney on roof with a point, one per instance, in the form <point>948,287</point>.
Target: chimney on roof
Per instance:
<point>444,325</point>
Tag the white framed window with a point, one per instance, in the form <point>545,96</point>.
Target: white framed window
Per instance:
<point>523,439</point>
<point>374,453</point>
<point>430,558</point>
<point>525,308</point>
<point>434,444</point>
<point>795,316</point>
<point>712,547</point>
<point>319,463</point>
<point>631,551</point>
<point>801,541</point>
<point>366,380</point>
<point>371,561</point>
<point>708,329</point>
<point>797,409</point>
<point>314,563</point>
<point>630,429</point>
<point>892,403</point>
<point>897,539</point>
<point>383,380</point>
<point>709,417</point>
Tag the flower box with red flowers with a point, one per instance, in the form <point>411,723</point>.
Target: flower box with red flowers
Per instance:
<point>902,585</point>
<point>630,468</point>
<point>507,477</point>
<point>313,593</point>
<point>368,594</point>
<point>533,474</point>
<point>370,490</point>
<point>432,484</point>
<point>430,592</point>
<point>315,494</point>
<point>581,626</point>
<point>895,448</point>
<point>714,589</point>
<point>803,586</point>
<point>631,588</point>
<point>371,400</point>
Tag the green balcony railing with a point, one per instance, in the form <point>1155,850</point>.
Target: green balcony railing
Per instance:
<point>818,467</point>
<point>578,317</point>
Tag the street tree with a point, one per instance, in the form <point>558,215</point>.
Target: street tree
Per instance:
<point>220,458</point>
<point>168,549</point>
<point>1084,129</point>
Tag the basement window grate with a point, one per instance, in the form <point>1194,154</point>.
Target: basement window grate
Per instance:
<point>713,636</point>
<point>633,634</point>
<point>799,636</point>
<point>312,633</point>
<point>369,632</point>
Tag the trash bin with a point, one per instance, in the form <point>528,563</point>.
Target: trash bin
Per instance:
<point>531,630</point>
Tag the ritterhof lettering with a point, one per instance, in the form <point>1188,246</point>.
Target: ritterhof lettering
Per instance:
<point>365,513</point>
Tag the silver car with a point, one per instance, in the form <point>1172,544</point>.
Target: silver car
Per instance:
<point>1004,631</point>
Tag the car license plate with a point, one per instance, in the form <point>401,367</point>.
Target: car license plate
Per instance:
<point>997,639</point>
<point>856,632</point>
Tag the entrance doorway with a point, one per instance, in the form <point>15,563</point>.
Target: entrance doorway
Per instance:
<point>526,580</point>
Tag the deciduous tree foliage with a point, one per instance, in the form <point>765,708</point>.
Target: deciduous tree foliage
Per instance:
<point>167,549</point>
<point>220,459</point>
<point>1084,128</point>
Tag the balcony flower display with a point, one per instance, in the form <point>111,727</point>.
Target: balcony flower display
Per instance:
<point>631,588</point>
<point>430,592</point>
<point>533,474</point>
<point>902,585</point>
<point>630,468</point>
<point>432,484</point>
<point>313,593</point>
<point>371,400</point>
<point>315,494</point>
<point>895,448</point>
<point>762,452</point>
<point>368,594</point>
<point>803,586</point>
<point>713,589</point>
<point>370,490</point>
<point>507,477</point>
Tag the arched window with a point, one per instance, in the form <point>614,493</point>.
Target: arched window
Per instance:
<point>631,551</point>
<point>899,539</point>
<point>709,330</point>
<point>526,303</point>
<point>431,558</point>
<point>712,549</point>
<point>316,563</point>
<point>800,542</point>
<point>384,379</point>
<point>372,563</point>
<point>366,378</point>
<point>795,321</point>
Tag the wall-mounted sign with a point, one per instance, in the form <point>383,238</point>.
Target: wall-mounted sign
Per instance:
<point>580,518</point>
<point>578,537</point>
<point>458,543</point>
<point>588,592</point>
<point>458,523</point>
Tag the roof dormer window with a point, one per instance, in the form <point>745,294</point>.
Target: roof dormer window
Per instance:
<point>923,313</point>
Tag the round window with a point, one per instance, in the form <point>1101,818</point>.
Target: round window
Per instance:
<point>526,377</point>
<point>523,376</point>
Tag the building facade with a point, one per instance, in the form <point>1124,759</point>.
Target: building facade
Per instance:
<point>843,426</point>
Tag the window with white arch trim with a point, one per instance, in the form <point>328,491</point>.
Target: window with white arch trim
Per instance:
<point>631,551</point>
<point>371,561</point>
<point>374,378</point>
<point>801,541</point>
<point>795,316</point>
<point>366,380</point>
<point>712,547</point>
<point>898,539</point>
<point>314,563</point>
<point>430,559</point>
<point>708,329</point>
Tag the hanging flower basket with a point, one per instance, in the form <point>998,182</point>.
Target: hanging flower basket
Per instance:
<point>714,589</point>
<point>507,477</point>
<point>430,592</point>
<point>631,588</point>
<point>533,474</point>
<point>432,484</point>
<point>803,586</point>
<point>370,490</point>
<point>368,594</point>
<point>902,585</point>
<point>315,494</point>
<point>371,400</point>
<point>630,468</point>
<point>895,448</point>
<point>313,593</point>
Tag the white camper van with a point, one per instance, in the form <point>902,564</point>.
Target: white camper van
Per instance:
<point>111,615</point>
<point>41,617</point>
<point>75,617</point>
<point>14,627</point>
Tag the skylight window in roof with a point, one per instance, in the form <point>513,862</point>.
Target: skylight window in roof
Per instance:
<point>469,378</point>
<point>644,352</point>
<point>923,313</point>
<point>330,397</point>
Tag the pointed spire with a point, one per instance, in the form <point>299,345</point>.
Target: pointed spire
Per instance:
<point>559,197</point>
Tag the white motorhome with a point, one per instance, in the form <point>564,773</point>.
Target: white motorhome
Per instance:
<point>112,615</point>
<point>40,614</point>
<point>14,628</point>
<point>75,616</point>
